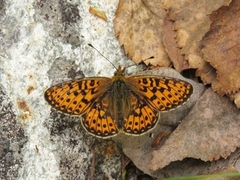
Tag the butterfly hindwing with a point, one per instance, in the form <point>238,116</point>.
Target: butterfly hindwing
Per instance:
<point>141,118</point>
<point>98,119</point>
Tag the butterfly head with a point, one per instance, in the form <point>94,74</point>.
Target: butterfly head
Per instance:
<point>120,71</point>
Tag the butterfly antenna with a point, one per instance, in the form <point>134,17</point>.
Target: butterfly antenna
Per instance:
<point>103,56</point>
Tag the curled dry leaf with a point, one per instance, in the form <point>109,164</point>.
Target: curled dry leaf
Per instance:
<point>138,25</point>
<point>236,98</point>
<point>209,131</point>
<point>191,23</point>
<point>222,48</point>
<point>170,44</point>
<point>97,12</point>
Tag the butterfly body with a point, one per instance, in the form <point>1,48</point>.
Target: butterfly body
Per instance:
<point>109,106</point>
<point>119,101</point>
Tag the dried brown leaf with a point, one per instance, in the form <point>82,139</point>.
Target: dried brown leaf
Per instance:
<point>97,12</point>
<point>222,48</point>
<point>138,25</point>
<point>236,98</point>
<point>191,23</point>
<point>210,131</point>
<point>173,51</point>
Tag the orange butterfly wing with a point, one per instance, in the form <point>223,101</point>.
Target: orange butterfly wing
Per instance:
<point>98,120</point>
<point>153,94</point>
<point>141,118</point>
<point>161,93</point>
<point>76,97</point>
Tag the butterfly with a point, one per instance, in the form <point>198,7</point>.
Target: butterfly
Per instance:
<point>128,104</point>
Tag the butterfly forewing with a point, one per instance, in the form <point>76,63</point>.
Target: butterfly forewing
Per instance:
<point>75,97</point>
<point>161,93</point>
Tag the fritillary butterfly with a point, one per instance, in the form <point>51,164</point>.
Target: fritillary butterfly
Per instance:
<point>109,106</point>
